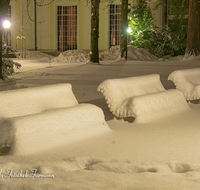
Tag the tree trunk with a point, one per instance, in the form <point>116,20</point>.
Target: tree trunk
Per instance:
<point>193,32</point>
<point>199,21</point>
<point>1,62</point>
<point>94,54</point>
<point>35,5</point>
<point>4,4</point>
<point>124,27</point>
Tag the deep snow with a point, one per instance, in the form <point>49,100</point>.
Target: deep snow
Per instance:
<point>188,81</point>
<point>163,154</point>
<point>54,111</point>
<point>76,56</point>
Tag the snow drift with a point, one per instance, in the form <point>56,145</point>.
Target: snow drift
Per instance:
<point>76,56</point>
<point>72,56</point>
<point>160,155</point>
<point>38,55</point>
<point>41,118</point>
<point>133,54</point>
<point>188,81</point>
<point>155,106</point>
<point>142,97</point>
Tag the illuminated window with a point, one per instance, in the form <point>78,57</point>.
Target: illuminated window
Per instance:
<point>67,28</point>
<point>115,25</point>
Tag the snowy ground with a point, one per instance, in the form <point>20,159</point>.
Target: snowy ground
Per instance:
<point>163,154</point>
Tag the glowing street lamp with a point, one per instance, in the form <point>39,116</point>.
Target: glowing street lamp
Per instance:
<point>129,30</point>
<point>6,25</point>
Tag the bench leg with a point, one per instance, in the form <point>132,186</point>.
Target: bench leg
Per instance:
<point>194,101</point>
<point>126,119</point>
<point>118,118</point>
<point>4,148</point>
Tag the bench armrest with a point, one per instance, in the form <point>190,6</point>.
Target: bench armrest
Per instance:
<point>152,107</point>
<point>188,81</point>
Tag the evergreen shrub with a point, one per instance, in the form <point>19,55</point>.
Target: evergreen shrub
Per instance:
<point>8,64</point>
<point>171,41</point>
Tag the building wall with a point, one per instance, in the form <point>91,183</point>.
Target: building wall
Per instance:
<point>21,25</point>
<point>47,39</point>
<point>159,15</point>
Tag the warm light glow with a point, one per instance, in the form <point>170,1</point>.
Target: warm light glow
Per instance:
<point>6,24</point>
<point>129,30</point>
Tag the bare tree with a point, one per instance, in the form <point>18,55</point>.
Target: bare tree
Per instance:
<point>193,32</point>
<point>23,19</point>
<point>124,27</point>
<point>4,4</point>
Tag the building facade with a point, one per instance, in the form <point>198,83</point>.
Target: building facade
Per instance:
<point>65,24</point>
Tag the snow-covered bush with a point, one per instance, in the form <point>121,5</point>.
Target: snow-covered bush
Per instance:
<point>6,48</point>
<point>8,66</point>
<point>171,41</point>
<point>72,56</point>
<point>142,26</point>
<point>110,54</point>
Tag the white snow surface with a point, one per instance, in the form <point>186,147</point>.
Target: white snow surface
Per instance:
<point>27,101</point>
<point>192,58</point>
<point>76,56</point>
<point>133,53</point>
<point>142,97</point>
<point>163,154</point>
<point>38,55</point>
<point>53,111</point>
<point>72,56</point>
<point>33,134</point>
<point>156,106</point>
<point>188,81</point>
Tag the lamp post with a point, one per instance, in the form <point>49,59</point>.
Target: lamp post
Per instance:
<point>129,30</point>
<point>6,25</point>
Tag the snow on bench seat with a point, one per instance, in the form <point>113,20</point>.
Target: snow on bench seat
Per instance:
<point>36,119</point>
<point>142,97</point>
<point>188,81</point>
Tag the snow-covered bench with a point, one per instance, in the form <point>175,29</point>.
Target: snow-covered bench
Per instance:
<point>142,97</point>
<point>188,81</point>
<point>38,119</point>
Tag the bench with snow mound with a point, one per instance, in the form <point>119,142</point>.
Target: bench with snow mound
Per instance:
<point>37,119</point>
<point>142,97</point>
<point>188,81</point>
